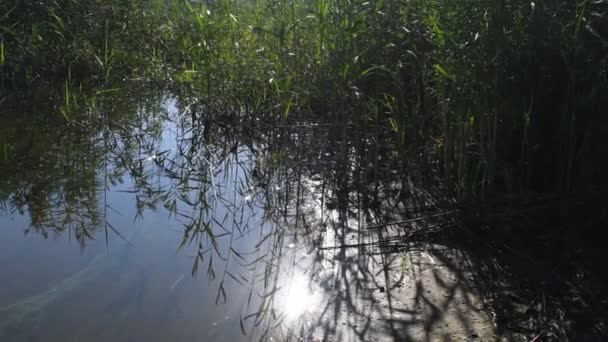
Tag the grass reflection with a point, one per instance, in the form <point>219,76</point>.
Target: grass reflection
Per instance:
<point>250,202</point>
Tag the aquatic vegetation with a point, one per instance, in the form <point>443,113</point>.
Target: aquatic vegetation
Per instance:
<point>480,88</point>
<point>244,197</point>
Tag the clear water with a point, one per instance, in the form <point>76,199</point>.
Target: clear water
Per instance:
<point>136,222</point>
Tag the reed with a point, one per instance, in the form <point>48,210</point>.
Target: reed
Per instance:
<point>506,96</point>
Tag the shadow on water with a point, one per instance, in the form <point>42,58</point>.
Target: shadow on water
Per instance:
<point>192,223</point>
<point>378,257</point>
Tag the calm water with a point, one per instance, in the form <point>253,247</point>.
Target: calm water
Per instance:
<point>141,221</point>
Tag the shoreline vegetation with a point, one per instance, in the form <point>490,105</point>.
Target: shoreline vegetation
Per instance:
<point>503,96</point>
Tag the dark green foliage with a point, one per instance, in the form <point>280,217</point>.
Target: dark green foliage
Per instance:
<point>85,39</point>
<point>507,95</point>
<point>528,77</point>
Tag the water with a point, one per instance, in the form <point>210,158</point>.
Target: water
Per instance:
<point>139,222</point>
<point>150,216</point>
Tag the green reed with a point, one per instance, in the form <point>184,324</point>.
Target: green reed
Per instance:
<point>505,95</point>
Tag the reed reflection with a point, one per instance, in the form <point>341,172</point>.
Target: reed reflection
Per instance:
<point>245,203</point>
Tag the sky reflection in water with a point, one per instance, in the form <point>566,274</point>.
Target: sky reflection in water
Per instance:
<point>143,224</point>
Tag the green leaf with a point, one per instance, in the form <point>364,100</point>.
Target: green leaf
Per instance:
<point>442,71</point>
<point>394,125</point>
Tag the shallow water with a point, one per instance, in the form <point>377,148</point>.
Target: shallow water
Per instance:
<point>136,222</point>
<point>134,214</point>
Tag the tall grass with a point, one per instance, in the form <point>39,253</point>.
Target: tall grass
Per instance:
<point>98,39</point>
<point>497,96</point>
<point>520,71</point>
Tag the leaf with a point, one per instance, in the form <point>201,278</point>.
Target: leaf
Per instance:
<point>442,71</point>
<point>210,271</point>
<point>288,108</point>
<point>221,293</point>
<point>374,68</point>
<point>235,278</point>
<point>195,266</point>
<point>254,261</point>
<point>108,225</point>
<point>237,253</point>
<point>2,53</point>
<point>243,331</point>
<point>394,125</point>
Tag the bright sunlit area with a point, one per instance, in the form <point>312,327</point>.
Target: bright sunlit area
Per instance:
<point>298,299</point>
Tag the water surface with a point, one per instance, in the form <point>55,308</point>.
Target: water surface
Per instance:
<point>143,218</point>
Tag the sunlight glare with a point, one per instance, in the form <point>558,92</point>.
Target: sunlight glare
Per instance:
<point>299,298</point>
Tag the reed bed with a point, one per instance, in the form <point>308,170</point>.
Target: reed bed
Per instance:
<point>494,96</point>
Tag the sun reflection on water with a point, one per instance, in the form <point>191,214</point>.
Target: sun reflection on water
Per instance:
<point>299,298</point>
